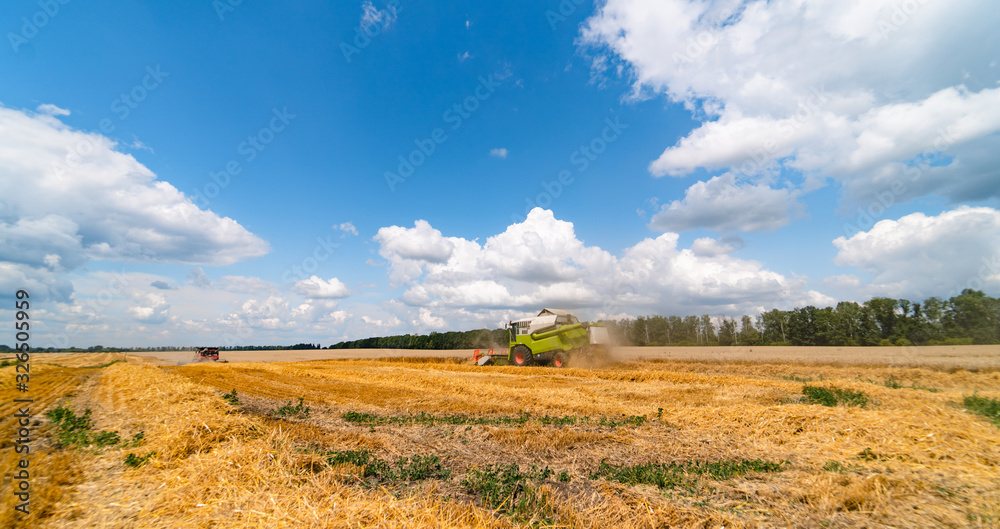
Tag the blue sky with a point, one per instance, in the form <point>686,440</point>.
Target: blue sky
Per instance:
<point>687,157</point>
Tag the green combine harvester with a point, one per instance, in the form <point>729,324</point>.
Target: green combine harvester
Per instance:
<point>554,337</point>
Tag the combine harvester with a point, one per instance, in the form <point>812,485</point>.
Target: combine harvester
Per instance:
<point>207,354</point>
<point>554,337</point>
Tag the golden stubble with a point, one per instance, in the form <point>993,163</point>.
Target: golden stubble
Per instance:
<point>912,457</point>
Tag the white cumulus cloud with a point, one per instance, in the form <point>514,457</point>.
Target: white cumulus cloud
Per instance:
<point>317,288</point>
<point>724,205</point>
<point>918,256</point>
<point>337,317</point>
<point>270,313</point>
<point>52,110</point>
<point>150,308</point>
<point>409,249</point>
<point>426,320</point>
<point>348,229</point>
<point>391,322</point>
<point>709,247</point>
<point>371,16</point>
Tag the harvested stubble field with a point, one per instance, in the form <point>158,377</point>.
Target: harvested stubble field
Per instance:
<point>440,443</point>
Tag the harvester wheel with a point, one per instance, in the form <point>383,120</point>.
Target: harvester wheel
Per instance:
<point>559,360</point>
<point>520,355</point>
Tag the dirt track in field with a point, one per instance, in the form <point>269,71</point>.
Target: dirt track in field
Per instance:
<point>944,357</point>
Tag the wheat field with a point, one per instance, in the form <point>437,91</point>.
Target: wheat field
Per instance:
<point>436,442</point>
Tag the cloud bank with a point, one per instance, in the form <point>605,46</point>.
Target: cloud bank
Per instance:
<point>868,93</point>
<point>68,196</point>
<point>541,262</point>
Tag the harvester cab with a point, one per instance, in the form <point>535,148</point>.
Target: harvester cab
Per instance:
<point>554,337</point>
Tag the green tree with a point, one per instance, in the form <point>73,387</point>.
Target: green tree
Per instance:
<point>639,334</point>
<point>934,318</point>
<point>849,322</point>
<point>708,330</point>
<point>883,310</point>
<point>775,326</point>
<point>976,316</point>
<point>659,330</point>
<point>811,326</point>
<point>749,335</point>
<point>691,329</point>
<point>727,332</point>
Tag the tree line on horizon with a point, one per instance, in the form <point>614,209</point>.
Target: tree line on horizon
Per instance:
<point>969,318</point>
<point>476,339</point>
<point>966,319</point>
